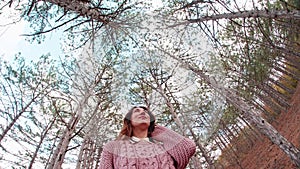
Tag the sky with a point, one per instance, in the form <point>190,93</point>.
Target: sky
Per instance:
<point>12,41</point>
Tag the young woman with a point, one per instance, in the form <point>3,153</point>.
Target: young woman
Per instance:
<point>142,144</point>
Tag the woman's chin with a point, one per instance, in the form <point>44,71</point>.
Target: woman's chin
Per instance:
<point>141,123</point>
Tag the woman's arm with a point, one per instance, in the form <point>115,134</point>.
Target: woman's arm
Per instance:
<point>179,147</point>
<point>106,160</point>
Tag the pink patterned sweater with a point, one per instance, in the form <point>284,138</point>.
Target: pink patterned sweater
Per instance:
<point>169,150</point>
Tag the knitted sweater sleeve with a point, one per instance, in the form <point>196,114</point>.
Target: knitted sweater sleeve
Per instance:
<point>179,147</point>
<point>106,160</point>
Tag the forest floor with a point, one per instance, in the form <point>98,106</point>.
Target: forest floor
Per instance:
<point>263,154</point>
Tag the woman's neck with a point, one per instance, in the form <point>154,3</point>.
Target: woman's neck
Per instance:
<point>140,133</point>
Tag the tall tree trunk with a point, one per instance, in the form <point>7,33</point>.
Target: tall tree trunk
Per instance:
<point>99,151</point>
<point>276,14</point>
<point>19,114</point>
<point>250,138</point>
<point>43,136</point>
<point>280,99</point>
<point>179,123</point>
<point>254,117</point>
<point>168,96</point>
<point>92,153</point>
<point>80,158</point>
<point>286,72</point>
<point>248,112</point>
<point>283,87</point>
<point>81,8</point>
<point>61,149</point>
<point>233,153</point>
<point>254,131</point>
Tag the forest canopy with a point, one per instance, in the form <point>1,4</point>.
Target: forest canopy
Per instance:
<point>211,70</point>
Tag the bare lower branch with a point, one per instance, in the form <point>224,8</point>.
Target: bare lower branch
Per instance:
<point>56,27</point>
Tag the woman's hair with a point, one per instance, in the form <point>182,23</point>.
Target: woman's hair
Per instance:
<point>127,129</point>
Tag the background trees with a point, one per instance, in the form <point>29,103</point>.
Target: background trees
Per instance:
<point>211,70</point>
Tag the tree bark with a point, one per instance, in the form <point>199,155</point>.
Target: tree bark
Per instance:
<point>80,155</point>
<point>81,9</point>
<point>19,114</point>
<point>274,14</point>
<point>43,136</point>
<point>248,112</point>
<point>61,149</point>
<point>254,117</point>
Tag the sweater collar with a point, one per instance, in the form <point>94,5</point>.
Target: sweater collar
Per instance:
<point>134,139</point>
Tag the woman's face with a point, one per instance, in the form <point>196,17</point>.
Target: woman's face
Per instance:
<point>139,117</point>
